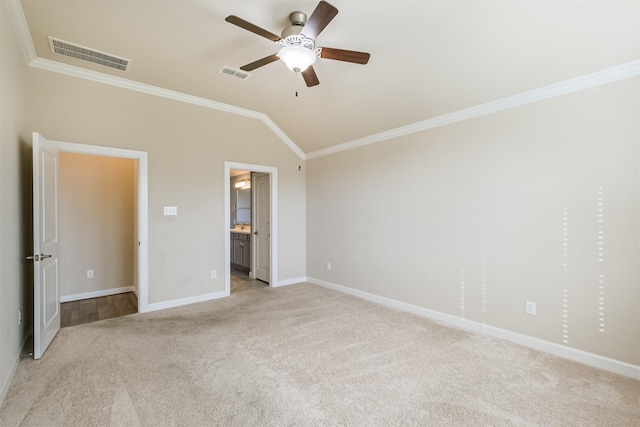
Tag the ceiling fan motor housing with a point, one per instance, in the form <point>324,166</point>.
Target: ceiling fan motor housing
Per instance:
<point>298,18</point>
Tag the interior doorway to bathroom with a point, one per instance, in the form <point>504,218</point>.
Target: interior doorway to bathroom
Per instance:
<point>249,207</point>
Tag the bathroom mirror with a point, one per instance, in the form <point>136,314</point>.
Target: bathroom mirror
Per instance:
<point>243,206</point>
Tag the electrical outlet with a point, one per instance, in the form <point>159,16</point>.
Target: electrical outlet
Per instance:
<point>19,317</point>
<point>329,266</point>
<point>214,274</point>
<point>89,274</point>
<point>530,308</point>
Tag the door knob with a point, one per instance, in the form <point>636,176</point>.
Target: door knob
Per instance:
<point>255,232</point>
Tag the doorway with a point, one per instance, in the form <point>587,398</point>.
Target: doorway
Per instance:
<point>140,219</point>
<point>250,237</point>
<point>98,242</point>
<point>45,223</point>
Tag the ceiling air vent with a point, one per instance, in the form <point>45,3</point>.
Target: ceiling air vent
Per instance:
<point>86,54</point>
<point>232,72</point>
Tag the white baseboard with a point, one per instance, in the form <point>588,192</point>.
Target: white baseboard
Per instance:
<point>591,359</point>
<point>6,382</point>
<point>288,282</point>
<point>183,301</point>
<point>97,294</point>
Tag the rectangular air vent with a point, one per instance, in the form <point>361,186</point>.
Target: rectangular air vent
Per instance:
<point>87,54</point>
<point>232,72</point>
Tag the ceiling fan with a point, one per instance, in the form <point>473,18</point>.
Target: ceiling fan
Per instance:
<point>297,43</point>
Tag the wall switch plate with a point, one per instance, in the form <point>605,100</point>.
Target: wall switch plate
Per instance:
<point>530,308</point>
<point>214,274</point>
<point>170,210</point>
<point>329,266</point>
<point>89,274</point>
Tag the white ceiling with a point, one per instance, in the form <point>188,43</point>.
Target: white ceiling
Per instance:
<point>428,58</point>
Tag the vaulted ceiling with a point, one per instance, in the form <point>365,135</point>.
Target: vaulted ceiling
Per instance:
<point>428,58</point>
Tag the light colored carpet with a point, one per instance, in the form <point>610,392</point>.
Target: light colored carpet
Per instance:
<point>304,355</point>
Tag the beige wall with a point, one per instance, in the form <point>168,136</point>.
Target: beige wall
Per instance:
<point>187,147</point>
<point>467,219</point>
<point>96,211</point>
<point>15,170</point>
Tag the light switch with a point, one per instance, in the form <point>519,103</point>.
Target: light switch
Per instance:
<point>170,210</point>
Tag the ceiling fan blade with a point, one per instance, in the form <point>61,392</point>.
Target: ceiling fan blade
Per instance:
<point>310,77</point>
<point>232,19</point>
<point>345,55</point>
<point>320,18</point>
<point>260,62</point>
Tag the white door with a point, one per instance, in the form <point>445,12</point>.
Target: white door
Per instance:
<point>262,232</point>
<point>46,292</point>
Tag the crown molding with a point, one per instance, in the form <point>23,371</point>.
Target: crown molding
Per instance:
<point>22,28</point>
<point>608,75</point>
<point>82,73</point>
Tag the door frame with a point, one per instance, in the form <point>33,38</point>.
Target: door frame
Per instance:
<point>143,213</point>
<point>273,241</point>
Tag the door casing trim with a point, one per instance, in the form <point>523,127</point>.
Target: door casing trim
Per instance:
<point>143,210</point>
<point>273,188</point>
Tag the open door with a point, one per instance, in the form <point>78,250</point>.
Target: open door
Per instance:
<point>262,226</point>
<point>46,292</point>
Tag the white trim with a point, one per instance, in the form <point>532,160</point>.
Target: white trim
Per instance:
<point>12,371</point>
<point>142,288</point>
<point>609,75</point>
<point>143,197</point>
<point>293,281</point>
<point>588,81</point>
<point>135,291</point>
<point>22,28</point>
<point>273,183</point>
<point>187,300</point>
<point>574,354</point>
<point>284,137</point>
<point>97,294</point>
<point>95,76</point>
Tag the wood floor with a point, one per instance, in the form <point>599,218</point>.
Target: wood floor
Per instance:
<point>89,310</point>
<point>240,281</point>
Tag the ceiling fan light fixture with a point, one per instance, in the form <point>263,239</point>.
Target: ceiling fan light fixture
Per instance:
<point>297,58</point>
<point>297,42</point>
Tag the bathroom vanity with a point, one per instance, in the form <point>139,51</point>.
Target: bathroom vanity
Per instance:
<point>241,249</point>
